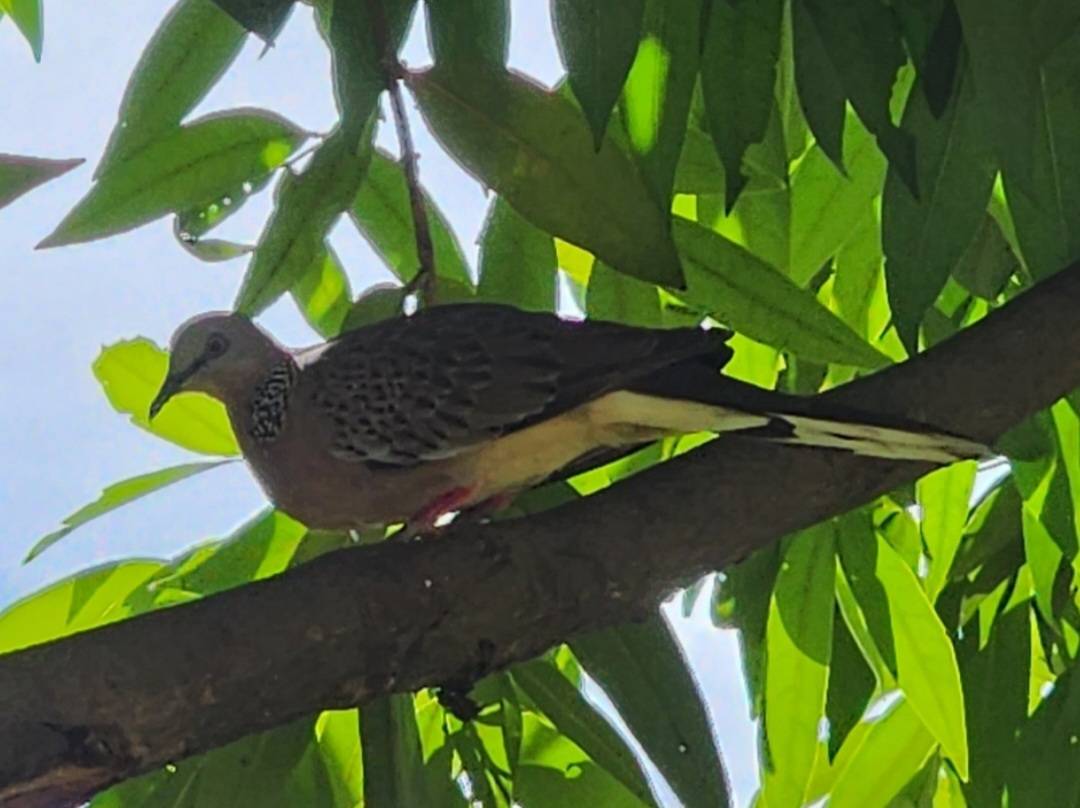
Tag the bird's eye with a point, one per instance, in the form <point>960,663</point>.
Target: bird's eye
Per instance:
<point>216,345</point>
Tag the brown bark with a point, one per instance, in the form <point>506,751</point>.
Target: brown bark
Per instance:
<point>83,712</point>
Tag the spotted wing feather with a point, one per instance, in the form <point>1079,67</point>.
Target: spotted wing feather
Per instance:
<point>429,386</point>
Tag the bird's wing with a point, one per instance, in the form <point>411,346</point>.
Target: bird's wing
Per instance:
<point>414,389</point>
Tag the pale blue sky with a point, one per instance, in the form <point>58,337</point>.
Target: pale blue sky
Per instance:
<point>60,442</point>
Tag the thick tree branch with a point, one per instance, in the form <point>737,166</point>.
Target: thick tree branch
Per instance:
<point>88,710</point>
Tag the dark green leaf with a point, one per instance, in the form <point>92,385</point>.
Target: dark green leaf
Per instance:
<point>988,262</point>
<point>382,212</point>
<point>191,166</point>
<point>131,373</point>
<point>518,264</point>
<point>118,495</point>
<point>597,40</point>
<point>323,295</point>
<point>798,643</point>
<point>27,16</point>
<point>576,718</point>
<point>393,759</point>
<point>851,684</point>
<point>855,50</point>
<point>530,146</point>
<point>738,73</point>
<point>643,671</point>
<point>465,33</point>
<point>188,53</point>
<point>995,695</point>
<point>925,237</point>
<point>1044,762</point>
<point>380,302</point>
<point>359,74</point>
<point>263,17</point>
<point>21,174</point>
<point>306,206</point>
<point>204,217</point>
<point>656,97</point>
<point>744,292</point>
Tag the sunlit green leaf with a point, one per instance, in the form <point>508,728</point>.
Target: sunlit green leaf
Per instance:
<point>306,206</point>
<point>576,718</point>
<point>131,373</point>
<point>798,643</point>
<point>194,164</point>
<point>744,292</point>
<point>642,669</point>
<point>21,174</point>
<point>323,294</point>
<point>188,53</point>
<point>883,761</point>
<point>944,496</point>
<point>518,264</point>
<point>90,598</point>
<point>924,237</point>
<point>656,96</point>
<point>383,214</point>
<point>530,145</point>
<point>214,250</point>
<point>118,495</point>
<point>614,296</point>
<point>27,16</point>
<point>738,72</point>
<point>597,40</point>
<point>393,759</point>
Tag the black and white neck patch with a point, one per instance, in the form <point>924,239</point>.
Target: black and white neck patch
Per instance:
<point>270,403</point>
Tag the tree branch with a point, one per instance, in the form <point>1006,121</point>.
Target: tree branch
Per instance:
<point>94,708</point>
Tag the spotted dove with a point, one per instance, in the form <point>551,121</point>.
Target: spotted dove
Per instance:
<point>462,405</point>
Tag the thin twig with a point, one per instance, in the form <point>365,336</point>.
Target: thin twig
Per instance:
<point>423,283</point>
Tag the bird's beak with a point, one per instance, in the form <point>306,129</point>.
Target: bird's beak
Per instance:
<point>169,388</point>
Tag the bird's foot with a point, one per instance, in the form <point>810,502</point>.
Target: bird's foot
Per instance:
<point>425,521</point>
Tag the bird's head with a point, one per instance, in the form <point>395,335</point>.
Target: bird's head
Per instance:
<point>214,353</point>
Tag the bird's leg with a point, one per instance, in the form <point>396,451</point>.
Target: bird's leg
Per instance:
<point>423,522</point>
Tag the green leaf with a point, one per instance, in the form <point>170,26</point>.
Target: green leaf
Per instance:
<point>530,146</point>
<point>118,495</point>
<point>131,373</point>
<point>383,214</point>
<point>199,220</point>
<point>393,758</point>
<point>857,275</point>
<point>469,32</point>
<point>306,206</point>
<point>553,771</point>
<point>854,50</point>
<point>281,768</point>
<point>925,237</point>
<point>27,16</point>
<point>656,97</point>
<point>21,174</point>
<point>926,667</point>
<point>191,166</point>
<point>614,296</point>
<point>1045,759</point>
<point>265,18</point>
<point>944,496</point>
<point>988,261</point>
<point>597,40</point>
<point>642,670</point>
<point>87,599</point>
<point>189,52</point>
<point>738,74</point>
<point>798,642</point>
<point>744,292</point>
<point>359,74</point>
<point>380,302</point>
<point>851,685</point>
<point>995,698</point>
<point>885,759</point>
<point>518,264</point>
<point>214,250</point>
<point>323,294</point>
<point>577,719</point>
